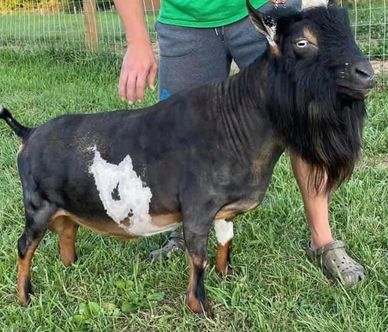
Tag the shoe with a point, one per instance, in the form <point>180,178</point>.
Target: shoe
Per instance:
<point>336,264</point>
<point>175,245</point>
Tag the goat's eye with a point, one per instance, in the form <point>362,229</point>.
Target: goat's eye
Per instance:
<point>302,43</point>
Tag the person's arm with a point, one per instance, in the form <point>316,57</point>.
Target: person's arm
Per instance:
<point>139,65</point>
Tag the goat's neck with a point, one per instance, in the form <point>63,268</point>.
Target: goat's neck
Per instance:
<point>246,90</point>
<point>241,101</point>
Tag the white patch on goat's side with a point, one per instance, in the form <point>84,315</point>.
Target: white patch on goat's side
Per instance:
<point>124,196</point>
<point>314,3</point>
<point>224,231</point>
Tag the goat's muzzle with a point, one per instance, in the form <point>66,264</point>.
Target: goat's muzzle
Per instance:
<point>356,79</point>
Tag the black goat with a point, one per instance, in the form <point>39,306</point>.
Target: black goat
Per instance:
<point>201,155</point>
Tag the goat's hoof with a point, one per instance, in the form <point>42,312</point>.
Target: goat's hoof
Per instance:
<point>207,314</point>
<point>228,272</point>
<point>200,308</point>
<point>24,298</point>
<point>66,261</point>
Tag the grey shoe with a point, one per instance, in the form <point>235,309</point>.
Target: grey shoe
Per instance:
<point>336,264</point>
<point>175,245</point>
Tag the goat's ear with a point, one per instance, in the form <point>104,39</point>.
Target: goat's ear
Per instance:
<point>332,3</point>
<point>264,24</point>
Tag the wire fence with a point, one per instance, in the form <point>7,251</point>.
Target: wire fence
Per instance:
<point>41,24</point>
<point>94,24</point>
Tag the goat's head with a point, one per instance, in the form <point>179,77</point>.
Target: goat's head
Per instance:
<point>317,81</point>
<point>317,40</point>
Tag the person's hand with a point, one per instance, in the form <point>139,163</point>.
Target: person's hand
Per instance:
<point>138,69</point>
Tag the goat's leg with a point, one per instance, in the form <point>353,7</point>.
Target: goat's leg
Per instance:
<point>196,229</point>
<point>223,261</point>
<point>67,232</point>
<point>37,219</point>
<point>26,247</point>
<point>224,235</point>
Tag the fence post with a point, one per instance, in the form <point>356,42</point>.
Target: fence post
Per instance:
<point>91,32</point>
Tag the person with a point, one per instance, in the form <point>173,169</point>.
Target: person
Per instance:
<point>197,43</point>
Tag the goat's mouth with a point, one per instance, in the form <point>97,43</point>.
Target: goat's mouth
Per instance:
<point>354,92</point>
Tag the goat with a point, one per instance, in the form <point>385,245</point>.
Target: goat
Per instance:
<point>201,156</point>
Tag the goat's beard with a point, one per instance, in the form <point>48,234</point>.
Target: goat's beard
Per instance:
<point>321,126</point>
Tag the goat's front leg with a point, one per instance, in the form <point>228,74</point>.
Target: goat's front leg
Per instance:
<point>224,235</point>
<point>196,232</point>
<point>67,231</point>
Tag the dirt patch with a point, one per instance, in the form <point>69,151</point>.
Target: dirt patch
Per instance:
<point>379,66</point>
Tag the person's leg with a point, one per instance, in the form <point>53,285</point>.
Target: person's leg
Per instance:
<point>316,205</point>
<point>325,252</point>
<point>189,57</point>
<point>244,42</point>
<point>245,45</point>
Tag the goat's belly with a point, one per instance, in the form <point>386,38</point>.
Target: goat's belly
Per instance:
<point>128,228</point>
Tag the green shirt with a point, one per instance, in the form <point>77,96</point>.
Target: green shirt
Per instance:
<point>204,14</point>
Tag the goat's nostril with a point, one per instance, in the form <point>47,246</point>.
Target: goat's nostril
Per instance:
<point>363,69</point>
<point>363,73</point>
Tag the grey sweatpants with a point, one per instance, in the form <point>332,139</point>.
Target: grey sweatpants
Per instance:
<point>190,57</point>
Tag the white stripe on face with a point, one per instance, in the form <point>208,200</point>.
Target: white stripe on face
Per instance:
<point>224,231</point>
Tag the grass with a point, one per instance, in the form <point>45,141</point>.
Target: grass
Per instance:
<point>113,286</point>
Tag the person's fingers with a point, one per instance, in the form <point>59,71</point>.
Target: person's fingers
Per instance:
<point>130,88</point>
<point>138,70</point>
<point>123,84</point>
<point>152,75</point>
<point>140,85</point>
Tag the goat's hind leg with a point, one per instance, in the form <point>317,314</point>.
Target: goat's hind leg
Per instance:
<point>37,219</point>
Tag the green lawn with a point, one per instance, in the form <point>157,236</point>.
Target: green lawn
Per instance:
<point>114,287</point>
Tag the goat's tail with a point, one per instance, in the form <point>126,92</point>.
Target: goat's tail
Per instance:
<point>19,130</point>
